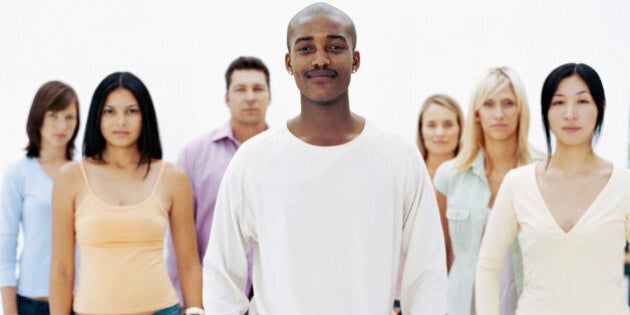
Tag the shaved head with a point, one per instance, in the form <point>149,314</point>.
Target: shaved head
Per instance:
<point>321,8</point>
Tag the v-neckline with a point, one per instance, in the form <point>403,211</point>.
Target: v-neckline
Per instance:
<point>41,169</point>
<point>584,214</point>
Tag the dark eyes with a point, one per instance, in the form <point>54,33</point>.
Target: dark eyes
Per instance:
<point>110,111</point>
<point>446,124</point>
<point>504,103</point>
<point>561,102</point>
<point>309,48</point>
<point>303,49</point>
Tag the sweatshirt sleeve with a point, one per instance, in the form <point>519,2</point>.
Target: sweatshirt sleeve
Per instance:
<point>424,277</point>
<point>225,263</point>
<point>500,232</point>
<point>11,201</point>
<point>442,177</point>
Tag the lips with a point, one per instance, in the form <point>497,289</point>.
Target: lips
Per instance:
<point>571,128</point>
<point>321,73</point>
<point>250,110</point>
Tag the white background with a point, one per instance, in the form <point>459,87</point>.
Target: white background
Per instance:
<point>409,49</point>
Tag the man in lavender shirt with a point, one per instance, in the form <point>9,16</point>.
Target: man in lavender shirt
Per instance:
<point>206,158</point>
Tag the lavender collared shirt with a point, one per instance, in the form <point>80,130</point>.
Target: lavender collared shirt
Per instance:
<point>205,160</point>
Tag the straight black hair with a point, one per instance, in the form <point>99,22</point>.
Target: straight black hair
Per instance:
<point>149,140</point>
<point>592,81</point>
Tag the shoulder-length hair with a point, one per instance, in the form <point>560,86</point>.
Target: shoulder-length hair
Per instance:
<point>473,141</point>
<point>149,140</point>
<point>595,87</point>
<point>52,96</point>
<point>448,103</point>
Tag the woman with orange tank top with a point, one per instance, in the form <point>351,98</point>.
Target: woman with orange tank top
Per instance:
<point>116,204</point>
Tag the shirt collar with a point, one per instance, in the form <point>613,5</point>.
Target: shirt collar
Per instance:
<point>478,167</point>
<point>225,132</point>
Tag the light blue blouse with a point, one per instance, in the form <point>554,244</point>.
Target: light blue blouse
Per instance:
<point>25,203</point>
<point>468,195</point>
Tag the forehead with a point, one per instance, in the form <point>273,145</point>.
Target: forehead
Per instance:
<point>499,92</point>
<point>120,97</point>
<point>317,26</point>
<point>436,110</point>
<point>572,83</point>
<point>248,76</point>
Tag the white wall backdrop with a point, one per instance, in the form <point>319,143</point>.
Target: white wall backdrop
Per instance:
<point>410,49</point>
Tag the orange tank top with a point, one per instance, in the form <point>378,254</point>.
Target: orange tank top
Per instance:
<point>122,266</point>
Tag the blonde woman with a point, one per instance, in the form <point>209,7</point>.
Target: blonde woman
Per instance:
<point>570,213</point>
<point>494,142</point>
<point>440,125</point>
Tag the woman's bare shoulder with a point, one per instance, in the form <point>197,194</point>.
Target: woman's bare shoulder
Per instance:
<point>69,171</point>
<point>174,173</point>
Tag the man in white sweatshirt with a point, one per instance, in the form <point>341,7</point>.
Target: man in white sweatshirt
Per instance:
<point>329,200</point>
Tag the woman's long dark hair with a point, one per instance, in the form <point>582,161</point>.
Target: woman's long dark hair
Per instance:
<point>149,140</point>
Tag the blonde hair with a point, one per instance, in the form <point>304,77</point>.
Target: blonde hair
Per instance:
<point>448,103</point>
<point>494,80</point>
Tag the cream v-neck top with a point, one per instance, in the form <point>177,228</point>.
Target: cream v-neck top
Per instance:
<point>575,272</point>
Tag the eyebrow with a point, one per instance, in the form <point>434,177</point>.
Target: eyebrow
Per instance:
<point>309,38</point>
<point>578,93</point>
<point>126,106</point>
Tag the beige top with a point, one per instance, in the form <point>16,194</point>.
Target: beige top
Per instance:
<point>122,268</point>
<point>575,272</point>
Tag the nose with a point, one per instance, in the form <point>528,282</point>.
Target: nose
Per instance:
<point>498,112</point>
<point>121,119</point>
<point>321,60</point>
<point>249,95</point>
<point>61,123</point>
<point>440,130</point>
<point>570,112</point>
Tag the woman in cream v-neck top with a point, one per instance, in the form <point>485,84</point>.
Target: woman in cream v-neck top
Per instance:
<point>570,213</point>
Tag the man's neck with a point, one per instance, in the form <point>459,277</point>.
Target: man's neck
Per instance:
<point>242,132</point>
<point>326,124</point>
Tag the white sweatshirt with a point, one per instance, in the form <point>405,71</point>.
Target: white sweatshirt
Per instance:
<point>328,224</point>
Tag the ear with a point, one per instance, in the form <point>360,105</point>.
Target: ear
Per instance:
<point>356,60</point>
<point>287,63</point>
<point>227,99</point>
<point>477,116</point>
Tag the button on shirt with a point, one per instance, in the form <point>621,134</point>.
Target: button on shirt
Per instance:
<point>468,196</point>
<point>204,160</point>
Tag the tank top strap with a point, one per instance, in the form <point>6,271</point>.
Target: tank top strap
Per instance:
<point>85,178</point>
<point>159,178</point>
